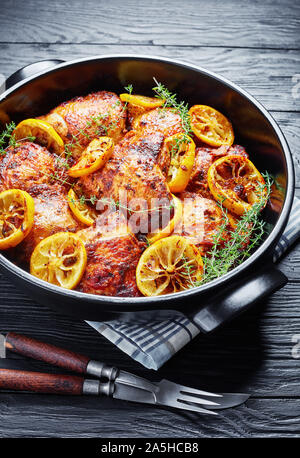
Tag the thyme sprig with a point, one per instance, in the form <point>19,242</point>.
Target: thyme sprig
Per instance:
<point>82,200</point>
<point>7,138</point>
<point>187,270</point>
<point>182,108</point>
<point>171,101</point>
<point>246,236</point>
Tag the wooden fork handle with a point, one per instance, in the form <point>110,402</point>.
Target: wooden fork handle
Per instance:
<point>40,383</point>
<point>51,354</point>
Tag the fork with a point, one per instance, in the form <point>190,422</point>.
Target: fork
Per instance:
<point>118,384</point>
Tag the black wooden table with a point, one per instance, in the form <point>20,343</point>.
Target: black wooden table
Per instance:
<point>257,45</point>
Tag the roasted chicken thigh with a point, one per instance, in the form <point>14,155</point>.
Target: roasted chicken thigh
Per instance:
<point>30,167</point>
<point>51,214</point>
<point>82,119</point>
<point>113,253</point>
<point>132,179</point>
<point>164,120</point>
<point>26,165</point>
<point>201,221</point>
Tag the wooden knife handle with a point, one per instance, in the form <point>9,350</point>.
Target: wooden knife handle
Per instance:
<point>45,352</point>
<point>40,383</point>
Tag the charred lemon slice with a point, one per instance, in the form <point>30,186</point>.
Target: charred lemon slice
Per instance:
<point>142,101</point>
<point>93,157</point>
<point>42,132</point>
<point>236,182</point>
<point>16,217</point>
<point>169,265</point>
<point>59,259</point>
<point>81,211</point>
<point>181,149</point>
<point>169,228</point>
<point>211,126</point>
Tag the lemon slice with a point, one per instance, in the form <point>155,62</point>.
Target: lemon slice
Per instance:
<point>236,182</point>
<point>59,259</point>
<point>81,211</point>
<point>167,230</point>
<point>170,265</point>
<point>43,133</point>
<point>93,157</point>
<point>16,217</point>
<point>182,156</point>
<point>211,126</point>
<point>142,101</point>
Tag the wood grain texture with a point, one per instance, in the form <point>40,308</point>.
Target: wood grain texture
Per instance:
<point>233,23</point>
<point>86,418</point>
<point>39,382</point>
<point>31,348</point>
<point>256,45</point>
<point>266,74</point>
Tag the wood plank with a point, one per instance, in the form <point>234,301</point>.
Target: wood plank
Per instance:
<point>48,416</point>
<point>290,262</point>
<point>266,74</point>
<point>290,126</point>
<point>214,23</point>
<point>253,353</point>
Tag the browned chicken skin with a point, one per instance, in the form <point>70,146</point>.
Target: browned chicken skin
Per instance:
<point>82,119</point>
<point>26,165</point>
<point>51,215</point>
<point>163,120</point>
<point>131,173</point>
<point>113,253</point>
<point>201,221</point>
<point>29,164</point>
<point>30,167</point>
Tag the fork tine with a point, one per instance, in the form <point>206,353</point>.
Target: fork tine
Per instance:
<point>230,400</point>
<point>188,398</point>
<point>194,408</point>
<point>184,397</point>
<point>189,390</point>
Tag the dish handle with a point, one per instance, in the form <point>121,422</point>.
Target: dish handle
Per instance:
<point>239,297</point>
<point>30,70</point>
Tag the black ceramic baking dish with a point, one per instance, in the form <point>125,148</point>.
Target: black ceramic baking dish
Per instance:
<point>36,89</point>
